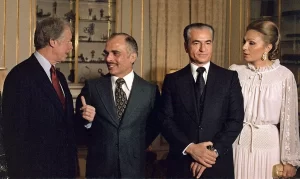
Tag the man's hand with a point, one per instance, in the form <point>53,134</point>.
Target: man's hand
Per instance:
<point>88,112</point>
<point>197,169</point>
<point>201,154</point>
<point>288,171</point>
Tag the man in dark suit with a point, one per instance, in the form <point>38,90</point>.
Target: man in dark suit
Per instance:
<point>39,136</point>
<point>125,122</point>
<point>202,115</point>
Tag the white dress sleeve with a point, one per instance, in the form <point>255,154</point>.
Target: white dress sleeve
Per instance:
<point>289,123</point>
<point>233,67</point>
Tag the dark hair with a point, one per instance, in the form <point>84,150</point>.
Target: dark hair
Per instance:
<point>132,45</point>
<point>47,29</point>
<point>187,29</point>
<point>271,34</point>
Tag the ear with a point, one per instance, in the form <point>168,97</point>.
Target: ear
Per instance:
<point>185,47</point>
<point>133,57</point>
<point>269,47</point>
<point>52,43</point>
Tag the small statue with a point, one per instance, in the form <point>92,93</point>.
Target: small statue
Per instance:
<point>70,16</point>
<point>90,30</point>
<point>81,57</point>
<point>54,5</point>
<point>100,72</point>
<point>92,55</point>
<point>90,13</point>
<point>101,13</point>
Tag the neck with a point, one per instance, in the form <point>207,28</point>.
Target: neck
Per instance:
<point>46,54</point>
<point>260,64</point>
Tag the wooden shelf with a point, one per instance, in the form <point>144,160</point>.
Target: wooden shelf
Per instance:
<point>92,62</point>
<point>93,41</point>
<point>290,59</point>
<point>96,20</point>
<point>291,13</point>
<point>292,35</point>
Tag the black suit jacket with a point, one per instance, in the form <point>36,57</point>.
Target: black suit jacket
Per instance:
<point>116,148</point>
<point>221,121</point>
<point>38,133</point>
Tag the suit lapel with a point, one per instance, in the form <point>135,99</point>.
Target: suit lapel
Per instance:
<point>104,88</point>
<point>44,83</point>
<point>134,98</point>
<point>185,84</point>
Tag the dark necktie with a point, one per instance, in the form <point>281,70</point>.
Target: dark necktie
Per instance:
<point>56,85</point>
<point>121,99</point>
<point>200,83</point>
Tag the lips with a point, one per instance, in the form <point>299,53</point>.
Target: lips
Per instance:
<point>110,65</point>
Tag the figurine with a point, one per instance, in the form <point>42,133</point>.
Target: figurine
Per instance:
<point>101,13</point>
<point>54,8</point>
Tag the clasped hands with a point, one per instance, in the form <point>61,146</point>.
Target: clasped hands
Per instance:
<point>289,171</point>
<point>204,158</point>
<point>88,111</point>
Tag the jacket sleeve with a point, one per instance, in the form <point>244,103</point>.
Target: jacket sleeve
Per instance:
<point>234,122</point>
<point>171,131</point>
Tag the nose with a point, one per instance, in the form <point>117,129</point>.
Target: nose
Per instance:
<point>108,57</point>
<point>245,46</point>
<point>202,48</point>
<point>71,45</point>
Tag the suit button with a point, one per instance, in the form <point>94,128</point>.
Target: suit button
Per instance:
<point>117,145</point>
<point>200,127</point>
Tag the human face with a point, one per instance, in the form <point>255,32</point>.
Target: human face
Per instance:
<point>62,46</point>
<point>254,46</point>
<point>199,47</point>
<point>118,58</point>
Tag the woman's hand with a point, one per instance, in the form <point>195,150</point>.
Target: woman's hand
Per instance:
<point>288,171</point>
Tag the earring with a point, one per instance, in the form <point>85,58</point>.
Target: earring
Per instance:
<point>264,56</point>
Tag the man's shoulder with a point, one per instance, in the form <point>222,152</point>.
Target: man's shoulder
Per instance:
<point>24,68</point>
<point>221,70</point>
<point>144,82</point>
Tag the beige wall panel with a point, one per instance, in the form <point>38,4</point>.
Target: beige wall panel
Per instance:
<point>24,30</point>
<point>11,33</point>
<point>136,32</point>
<point>118,15</point>
<point>2,34</point>
<point>146,42</point>
<point>126,15</point>
<point>236,31</point>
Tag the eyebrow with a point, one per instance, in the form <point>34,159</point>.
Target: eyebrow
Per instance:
<point>105,52</point>
<point>201,41</point>
<point>113,51</point>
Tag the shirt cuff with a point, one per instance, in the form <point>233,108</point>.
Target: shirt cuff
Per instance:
<point>89,125</point>
<point>183,152</point>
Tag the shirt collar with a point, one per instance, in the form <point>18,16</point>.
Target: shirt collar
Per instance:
<point>43,62</point>
<point>128,80</point>
<point>194,68</point>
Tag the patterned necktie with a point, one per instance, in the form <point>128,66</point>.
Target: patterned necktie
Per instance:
<point>121,99</point>
<point>200,83</point>
<point>56,85</point>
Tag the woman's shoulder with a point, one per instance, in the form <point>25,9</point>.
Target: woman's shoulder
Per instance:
<point>235,67</point>
<point>283,70</point>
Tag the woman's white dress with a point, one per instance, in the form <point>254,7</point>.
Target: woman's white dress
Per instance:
<point>270,98</point>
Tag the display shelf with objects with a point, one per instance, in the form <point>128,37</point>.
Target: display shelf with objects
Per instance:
<point>93,22</point>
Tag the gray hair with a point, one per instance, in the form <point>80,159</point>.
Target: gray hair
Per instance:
<point>48,29</point>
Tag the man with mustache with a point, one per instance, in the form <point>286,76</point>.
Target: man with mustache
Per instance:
<point>120,112</point>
